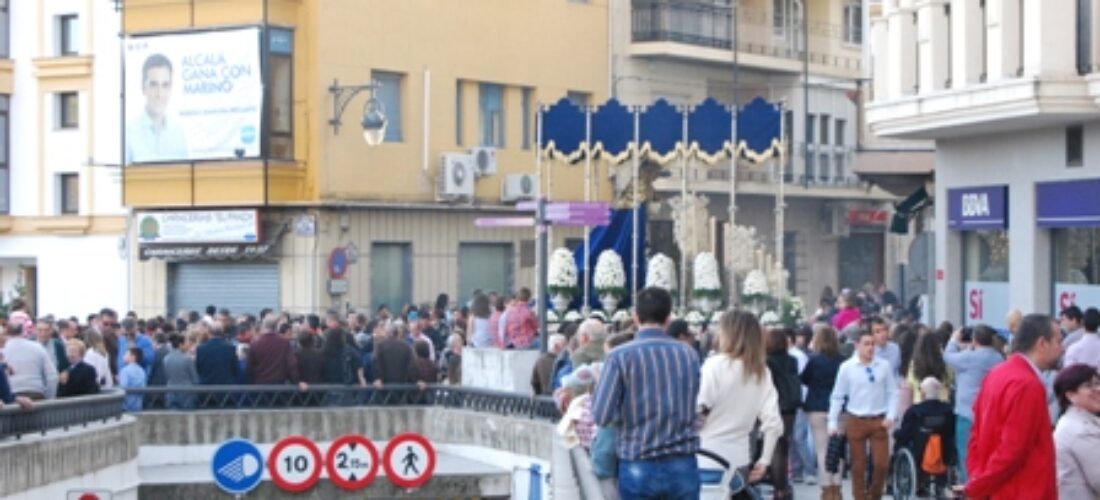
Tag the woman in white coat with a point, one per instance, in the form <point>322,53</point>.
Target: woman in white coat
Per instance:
<point>735,391</point>
<point>1077,436</point>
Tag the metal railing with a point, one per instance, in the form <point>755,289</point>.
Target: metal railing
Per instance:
<point>709,24</point>
<point>60,414</point>
<point>223,397</point>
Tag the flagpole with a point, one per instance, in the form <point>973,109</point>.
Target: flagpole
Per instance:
<point>733,156</point>
<point>540,238</point>
<point>683,213</point>
<point>780,211</point>
<point>635,215</point>
<point>585,309</point>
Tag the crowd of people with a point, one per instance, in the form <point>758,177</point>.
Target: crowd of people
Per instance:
<point>786,405</point>
<point>63,357</point>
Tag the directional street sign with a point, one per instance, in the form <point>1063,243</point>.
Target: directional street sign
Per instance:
<point>294,464</point>
<point>352,462</point>
<point>409,460</point>
<point>237,466</point>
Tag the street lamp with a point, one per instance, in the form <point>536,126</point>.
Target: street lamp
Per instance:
<point>374,113</point>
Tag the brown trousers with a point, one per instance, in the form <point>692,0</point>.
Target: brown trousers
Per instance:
<point>861,432</point>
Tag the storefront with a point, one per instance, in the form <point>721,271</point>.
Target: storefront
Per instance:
<point>1069,210</point>
<point>862,252</point>
<point>981,214</point>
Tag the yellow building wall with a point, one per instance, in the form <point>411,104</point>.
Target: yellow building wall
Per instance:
<point>551,46</point>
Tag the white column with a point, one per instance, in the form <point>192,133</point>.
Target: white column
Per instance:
<point>948,245</point>
<point>1050,28</point>
<point>902,47</point>
<point>880,70</point>
<point>932,34</point>
<point>966,43</point>
<point>1029,272</point>
<point>1004,37</point>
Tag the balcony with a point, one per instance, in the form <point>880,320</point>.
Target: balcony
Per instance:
<point>700,31</point>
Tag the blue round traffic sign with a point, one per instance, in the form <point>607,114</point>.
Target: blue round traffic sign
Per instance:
<point>237,466</point>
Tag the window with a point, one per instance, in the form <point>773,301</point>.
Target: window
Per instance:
<point>823,168</point>
<point>68,31</point>
<point>5,206</point>
<point>578,98</point>
<point>68,189</point>
<point>810,170</point>
<point>526,116</point>
<point>1075,146</point>
<point>458,113</point>
<point>853,23</point>
<point>1084,36</point>
<point>389,94</point>
<point>840,167</point>
<point>390,275</point>
<point>825,122</point>
<point>491,111</point>
<point>781,14</point>
<point>810,119</point>
<point>5,30</point>
<point>839,132</point>
<point>280,111</point>
<point>68,110</point>
<point>484,266</point>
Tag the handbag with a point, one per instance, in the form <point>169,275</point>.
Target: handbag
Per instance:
<point>835,452</point>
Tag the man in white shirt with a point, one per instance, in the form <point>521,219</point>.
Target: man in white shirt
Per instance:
<point>1087,350</point>
<point>884,347</point>
<point>1072,320</point>
<point>870,387</point>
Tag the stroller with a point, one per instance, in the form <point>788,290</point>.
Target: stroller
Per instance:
<point>924,459</point>
<point>719,480</point>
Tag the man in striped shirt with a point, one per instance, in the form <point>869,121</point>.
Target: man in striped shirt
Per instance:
<point>647,390</point>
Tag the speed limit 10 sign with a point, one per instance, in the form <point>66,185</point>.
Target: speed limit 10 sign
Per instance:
<point>294,464</point>
<point>352,462</point>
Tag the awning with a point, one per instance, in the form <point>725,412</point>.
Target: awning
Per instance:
<point>899,172</point>
<point>182,252</point>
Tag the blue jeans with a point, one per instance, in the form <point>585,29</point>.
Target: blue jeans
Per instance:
<point>962,436</point>
<point>667,478</point>
<point>803,456</point>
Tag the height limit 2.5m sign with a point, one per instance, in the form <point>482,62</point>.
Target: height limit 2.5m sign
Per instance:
<point>352,462</point>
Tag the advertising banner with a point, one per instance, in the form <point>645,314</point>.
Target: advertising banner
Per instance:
<point>986,303</point>
<point>973,208</point>
<point>193,96</point>
<point>1069,294</point>
<point>199,226</point>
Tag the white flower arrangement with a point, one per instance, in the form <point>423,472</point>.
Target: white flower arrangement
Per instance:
<point>572,316</point>
<point>695,318</point>
<point>707,282</point>
<point>563,273</point>
<point>756,286</point>
<point>621,315</point>
<point>610,276</point>
<point>769,318</point>
<point>742,253</point>
<point>551,316</point>
<point>716,317</point>
<point>661,273</point>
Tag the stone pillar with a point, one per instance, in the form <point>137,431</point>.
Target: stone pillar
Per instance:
<point>1029,266</point>
<point>1003,50</point>
<point>1050,47</point>
<point>949,258</point>
<point>966,43</point>
<point>902,47</point>
<point>932,36</point>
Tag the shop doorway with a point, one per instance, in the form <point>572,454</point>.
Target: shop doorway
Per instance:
<point>861,260</point>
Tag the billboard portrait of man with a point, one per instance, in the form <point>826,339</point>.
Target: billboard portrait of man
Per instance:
<point>152,135</point>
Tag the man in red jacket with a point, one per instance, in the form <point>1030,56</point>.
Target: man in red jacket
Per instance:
<point>1011,449</point>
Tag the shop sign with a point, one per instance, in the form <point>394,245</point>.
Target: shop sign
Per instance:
<point>986,303</point>
<point>867,217</point>
<point>1067,203</point>
<point>1068,294</point>
<point>203,252</point>
<point>199,226</point>
<point>974,208</point>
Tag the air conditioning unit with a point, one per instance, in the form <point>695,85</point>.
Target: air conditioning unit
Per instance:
<point>518,187</point>
<point>485,159</point>
<point>456,176</point>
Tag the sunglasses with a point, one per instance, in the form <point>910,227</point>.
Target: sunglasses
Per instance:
<point>870,374</point>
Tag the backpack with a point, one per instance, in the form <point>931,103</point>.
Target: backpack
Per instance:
<point>932,461</point>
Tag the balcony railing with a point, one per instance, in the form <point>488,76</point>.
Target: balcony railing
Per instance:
<point>707,24</point>
<point>60,414</point>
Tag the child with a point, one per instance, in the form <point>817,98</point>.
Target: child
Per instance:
<point>132,375</point>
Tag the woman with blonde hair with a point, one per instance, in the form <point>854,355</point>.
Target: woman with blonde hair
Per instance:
<point>735,391</point>
<point>96,356</point>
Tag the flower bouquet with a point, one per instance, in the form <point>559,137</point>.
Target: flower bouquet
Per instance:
<point>755,292</point>
<point>695,318</point>
<point>562,282</point>
<point>708,287</point>
<point>770,319</point>
<point>610,280</point>
<point>661,273</point>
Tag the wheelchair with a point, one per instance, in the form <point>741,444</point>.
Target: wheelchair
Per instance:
<point>907,478</point>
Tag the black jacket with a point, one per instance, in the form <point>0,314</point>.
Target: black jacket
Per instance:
<point>216,362</point>
<point>819,378</point>
<point>784,370</point>
<point>82,381</point>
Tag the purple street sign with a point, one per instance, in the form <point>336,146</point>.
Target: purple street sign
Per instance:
<point>979,207</point>
<point>504,222</point>
<point>1067,203</point>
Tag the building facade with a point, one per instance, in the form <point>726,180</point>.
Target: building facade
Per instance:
<point>1007,89</point>
<point>322,219</point>
<point>835,227</point>
<point>60,204</point>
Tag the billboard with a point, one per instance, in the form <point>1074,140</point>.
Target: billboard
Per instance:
<point>199,226</point>
<point>193,96</point>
